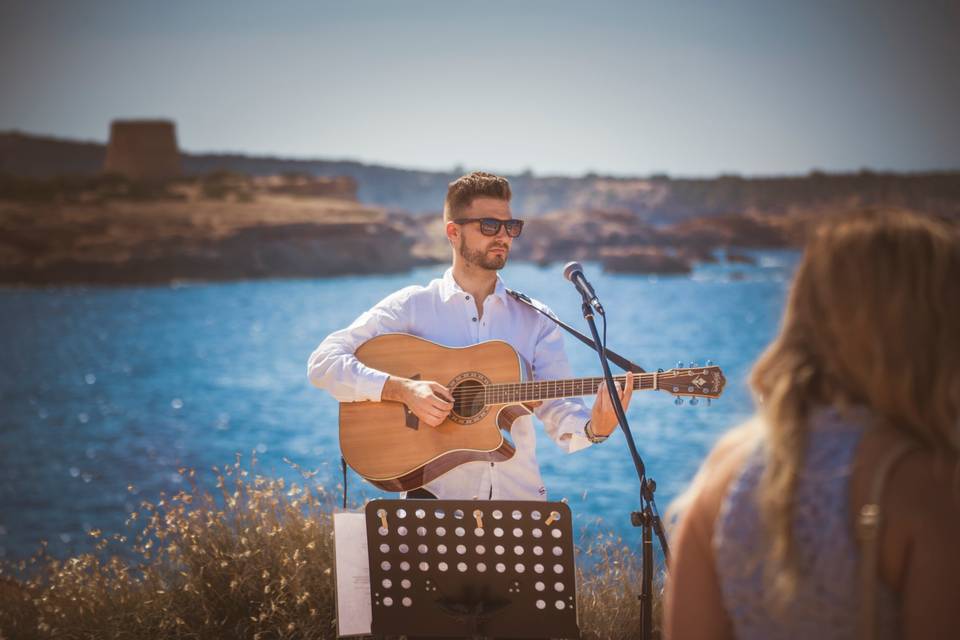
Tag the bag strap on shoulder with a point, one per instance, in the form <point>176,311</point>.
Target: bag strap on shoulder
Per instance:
<point>868,529</point>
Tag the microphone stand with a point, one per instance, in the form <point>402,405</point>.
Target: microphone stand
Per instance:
<point>648,517</point>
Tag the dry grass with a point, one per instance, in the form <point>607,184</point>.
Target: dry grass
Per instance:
<point>608,589</point>
<point>251,560</point>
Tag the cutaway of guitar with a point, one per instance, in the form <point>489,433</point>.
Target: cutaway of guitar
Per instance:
<point>491,385</point>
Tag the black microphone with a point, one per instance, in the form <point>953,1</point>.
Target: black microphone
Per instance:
<point>573,271</point>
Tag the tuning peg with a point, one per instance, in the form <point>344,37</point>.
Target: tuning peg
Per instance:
<point>708,402</point>
<point>709,363</point>
<point>659,370</point>
<point>679,364</point>
<point>692,365</point>
<point>694,401</point>
<point>678,401</point>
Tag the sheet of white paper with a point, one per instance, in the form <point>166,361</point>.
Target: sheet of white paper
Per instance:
<point>354,611</point>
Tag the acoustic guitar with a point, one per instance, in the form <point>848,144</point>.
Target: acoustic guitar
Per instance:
<point>491,384</point>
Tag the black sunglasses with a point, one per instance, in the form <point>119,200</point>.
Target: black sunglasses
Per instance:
<point>491,226</point>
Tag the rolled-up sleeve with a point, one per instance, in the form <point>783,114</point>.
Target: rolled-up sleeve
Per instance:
<point>563,419</point>
<point>334,367</point>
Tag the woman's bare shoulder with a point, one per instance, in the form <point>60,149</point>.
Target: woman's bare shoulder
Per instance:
<point>925,486</point>
<point>920,507</point>
<point>923,480</point>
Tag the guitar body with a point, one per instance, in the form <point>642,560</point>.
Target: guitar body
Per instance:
<point>390,447</point>
<point>491,386</point>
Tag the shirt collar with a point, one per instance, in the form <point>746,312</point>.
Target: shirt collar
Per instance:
<point>450,288</point>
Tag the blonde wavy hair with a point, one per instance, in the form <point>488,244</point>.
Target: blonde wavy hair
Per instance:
<point>873,319</point>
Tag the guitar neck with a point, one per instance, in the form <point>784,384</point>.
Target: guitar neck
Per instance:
<point>553,389</point>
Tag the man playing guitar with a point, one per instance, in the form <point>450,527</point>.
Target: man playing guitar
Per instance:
<point>469,305</point>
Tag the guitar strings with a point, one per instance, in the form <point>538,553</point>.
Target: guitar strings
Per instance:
<point>542,384</point>
<point>563,388</point>
<point>472,392</point>
<point>562,383</point>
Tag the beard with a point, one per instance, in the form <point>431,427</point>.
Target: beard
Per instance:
<point>482,258</point>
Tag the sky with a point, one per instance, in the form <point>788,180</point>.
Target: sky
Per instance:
<point>554,87</point>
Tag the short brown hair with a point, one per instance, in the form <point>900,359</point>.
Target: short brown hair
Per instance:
<point>478,184</point>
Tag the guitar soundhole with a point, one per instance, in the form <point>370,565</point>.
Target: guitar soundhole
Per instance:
<point>468,399</point>
<point>468,390</point>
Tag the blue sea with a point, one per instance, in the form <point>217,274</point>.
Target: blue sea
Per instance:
<point>103,388</point>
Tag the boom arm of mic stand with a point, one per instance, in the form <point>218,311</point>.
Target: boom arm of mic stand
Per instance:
<point>612,355</point>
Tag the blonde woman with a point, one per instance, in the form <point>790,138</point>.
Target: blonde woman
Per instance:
<point>866,369</point>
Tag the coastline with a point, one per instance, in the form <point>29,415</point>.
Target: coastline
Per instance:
<point>266,236</point>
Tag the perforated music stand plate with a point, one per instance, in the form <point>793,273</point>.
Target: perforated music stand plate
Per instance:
<point>432,560</point>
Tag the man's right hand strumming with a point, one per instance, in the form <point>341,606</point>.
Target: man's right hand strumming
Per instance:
<point>430,401</point>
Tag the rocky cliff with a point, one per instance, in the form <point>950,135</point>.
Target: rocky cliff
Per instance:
<point>656,199</point>
<point>241,217</point>
<point>624,242</point>
<point>137,242</point>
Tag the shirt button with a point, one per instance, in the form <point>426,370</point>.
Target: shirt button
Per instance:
<point>468,297</point>
<point>474,319</point>
<point>491,464</point>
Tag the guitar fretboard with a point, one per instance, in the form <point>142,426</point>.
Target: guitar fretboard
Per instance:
<point>706,382</point>
<point>552,389</point>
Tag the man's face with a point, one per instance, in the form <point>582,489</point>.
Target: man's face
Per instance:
<point>486,252</point>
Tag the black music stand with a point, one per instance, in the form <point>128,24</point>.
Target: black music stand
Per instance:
<point>470,568</point>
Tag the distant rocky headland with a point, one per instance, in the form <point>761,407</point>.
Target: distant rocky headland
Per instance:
<point>63,219</point>
<point>200,230</point>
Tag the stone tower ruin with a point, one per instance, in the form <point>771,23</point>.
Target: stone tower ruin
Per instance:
<point>143,150</point>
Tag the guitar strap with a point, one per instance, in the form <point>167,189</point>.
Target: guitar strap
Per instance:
<point>612,356</point>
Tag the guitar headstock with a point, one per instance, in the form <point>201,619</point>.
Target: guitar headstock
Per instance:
<point>692,382</point>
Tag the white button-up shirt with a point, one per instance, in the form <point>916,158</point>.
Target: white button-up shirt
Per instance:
<point>444,313</point>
